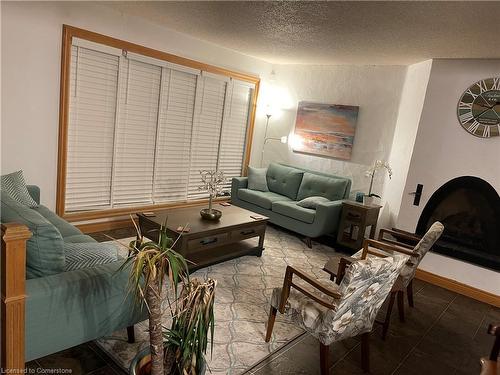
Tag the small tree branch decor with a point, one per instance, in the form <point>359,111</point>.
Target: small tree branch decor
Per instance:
<point>212,181</point>
<point>379,164</point>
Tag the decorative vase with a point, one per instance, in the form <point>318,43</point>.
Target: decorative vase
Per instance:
<point>368,200</point>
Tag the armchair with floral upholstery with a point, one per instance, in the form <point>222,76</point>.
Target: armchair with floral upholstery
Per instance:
<point>335,312</point>
<point>409,244</point>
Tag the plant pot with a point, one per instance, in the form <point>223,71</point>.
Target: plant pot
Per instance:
<point>141,364</point>
<point>368,200</point>
<point>213,215</point>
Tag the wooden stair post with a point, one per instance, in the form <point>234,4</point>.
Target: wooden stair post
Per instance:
<point>13,280</point>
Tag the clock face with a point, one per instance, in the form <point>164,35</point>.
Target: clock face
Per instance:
<point>479,108</point>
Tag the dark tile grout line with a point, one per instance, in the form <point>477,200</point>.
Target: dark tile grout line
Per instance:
<point>106,359</point>
<point>479,326</point>
<point>424,335</point>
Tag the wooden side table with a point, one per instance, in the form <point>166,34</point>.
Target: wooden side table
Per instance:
<point>355,218</point>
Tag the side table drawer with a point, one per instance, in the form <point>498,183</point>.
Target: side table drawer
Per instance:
<point>207,242</point>
<point>244,233</point>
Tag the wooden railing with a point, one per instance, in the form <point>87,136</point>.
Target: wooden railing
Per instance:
<point>13,280</point>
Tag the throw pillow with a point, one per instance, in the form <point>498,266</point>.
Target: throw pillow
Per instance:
<point>86,255</point>
<point>14,185</point>
<point>312,202</point>
<point>257,179</point>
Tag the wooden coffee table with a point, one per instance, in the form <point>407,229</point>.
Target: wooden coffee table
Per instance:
<point>209,242</point>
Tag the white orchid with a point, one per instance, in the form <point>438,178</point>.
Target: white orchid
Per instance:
<point>379,164</point>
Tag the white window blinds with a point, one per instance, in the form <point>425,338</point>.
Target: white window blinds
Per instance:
<point>92,105</point>
<point>206,130</point>
<point>141,129</point>
<point>136,133</point>
<point>174,136</point>
<point>234,130</point>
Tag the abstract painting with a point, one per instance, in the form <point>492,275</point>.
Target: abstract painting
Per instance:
<point>325,129</point>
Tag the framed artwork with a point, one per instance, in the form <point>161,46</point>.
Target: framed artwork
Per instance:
<point>325,129</point>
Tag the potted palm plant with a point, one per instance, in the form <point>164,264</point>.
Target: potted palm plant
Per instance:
<point>179,349</point>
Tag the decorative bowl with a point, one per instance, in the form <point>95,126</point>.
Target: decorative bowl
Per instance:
<point>207,215</point>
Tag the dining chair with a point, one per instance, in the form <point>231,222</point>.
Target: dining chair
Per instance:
<point>335,312</point>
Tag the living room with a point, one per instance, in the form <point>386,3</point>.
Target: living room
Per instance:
<point>90,89</point>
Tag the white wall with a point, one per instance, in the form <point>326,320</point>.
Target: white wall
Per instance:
<point>410,109</point>
<point>444,150</point>
<point>31,54</point>
<point>375,89</point>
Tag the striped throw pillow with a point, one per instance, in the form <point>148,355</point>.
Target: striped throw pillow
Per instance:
<point>85,255</point>
<point>14,185</point>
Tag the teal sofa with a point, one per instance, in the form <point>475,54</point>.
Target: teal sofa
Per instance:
<point>287,185</point>
<point>68,304</point>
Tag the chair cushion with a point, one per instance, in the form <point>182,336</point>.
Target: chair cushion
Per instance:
<point>14,185</point>
<point>257,179</point>
<point>45,249</point>
<point>284,180</point>
<point>312,202</point>
<point>65,228</point>
<point>291,209</point>
<point>322,186</point>
<point>79,238</point>
<point>262,199</point>
<point>85,255</point>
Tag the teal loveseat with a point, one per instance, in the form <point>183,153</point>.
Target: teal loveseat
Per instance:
<point>287,185</point>
<point>80,303</point>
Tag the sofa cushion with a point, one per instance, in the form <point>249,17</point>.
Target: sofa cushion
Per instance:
<point>257,179</point>
<point>65,228</point>
<point>45,248</point>
<point>79,238</point>
<point>14,185</point>
<point>316,185</point>
<point>312,202</point>
<point>291,209</point>
<point>262,199</point>
<point>85,255</point>
<point>284,180</point>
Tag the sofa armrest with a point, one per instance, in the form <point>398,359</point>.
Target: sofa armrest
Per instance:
<point>34,192</point>
<point>238,183</point>
<point>328,215</point>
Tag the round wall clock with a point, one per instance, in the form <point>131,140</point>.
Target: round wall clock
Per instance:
<point>479,108</point>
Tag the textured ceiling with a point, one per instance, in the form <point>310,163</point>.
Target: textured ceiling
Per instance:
<point>394,33</point>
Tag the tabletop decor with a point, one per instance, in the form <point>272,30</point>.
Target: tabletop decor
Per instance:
<point>325,129</point>
<point>212,182</point>
<point>379,164</point>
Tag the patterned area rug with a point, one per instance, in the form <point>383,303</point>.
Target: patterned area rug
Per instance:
<point>244,288</point>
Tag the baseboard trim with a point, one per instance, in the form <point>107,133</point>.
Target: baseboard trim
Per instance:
<point>458,287</point>
<point>105,225</point>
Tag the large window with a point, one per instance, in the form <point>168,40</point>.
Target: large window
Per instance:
<point>138,127</point>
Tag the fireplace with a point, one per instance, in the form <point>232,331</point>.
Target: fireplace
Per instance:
<point>469,209</point>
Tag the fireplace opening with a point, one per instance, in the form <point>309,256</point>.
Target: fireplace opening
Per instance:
<point>469,209</point>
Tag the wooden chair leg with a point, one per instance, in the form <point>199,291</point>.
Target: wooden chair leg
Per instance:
<point>324,358</point>
<point>385,325</point>
<point>270,323</point>
<point>365,351</point>
<point>131,334</point>
<point>401,306</point>
<point>409,294</point>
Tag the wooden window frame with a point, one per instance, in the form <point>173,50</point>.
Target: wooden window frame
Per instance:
<point>68,33</point>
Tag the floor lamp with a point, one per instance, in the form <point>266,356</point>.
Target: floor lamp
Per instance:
<point>266,139</point>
